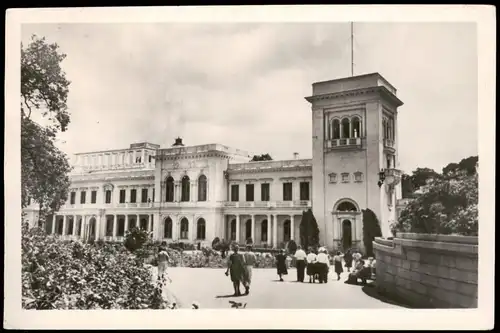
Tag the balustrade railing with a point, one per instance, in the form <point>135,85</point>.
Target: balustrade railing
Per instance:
<point>344,142</point>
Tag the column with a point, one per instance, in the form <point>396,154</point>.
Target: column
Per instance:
<point>65,224</point>
<point>74,225</point>
<point>82,226</point>
<point>193,231</point>
<point>253,228</point>
<point>150,222</point>
<point>238,229</point>
<point>143,157</point>
<point>275,230</point>
<point>292,226</point>
<point>115,226</point>
<point>155,226</point>
<point>54,219</point>
<point>126,224</point>
<point>98,227</point>
<point>137,223</point>
<point>269,229</point>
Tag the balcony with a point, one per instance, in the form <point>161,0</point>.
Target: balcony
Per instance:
<point>268,204</point>
<point>343,143</point>
<point>392,177</point>
<point>389,145</point>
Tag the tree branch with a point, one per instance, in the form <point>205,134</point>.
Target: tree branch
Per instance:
<point>27,105</point>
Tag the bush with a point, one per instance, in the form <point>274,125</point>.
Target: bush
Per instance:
<point>371,229</point>
<point>216,243</point>
<point>292,247</point>
<point>135,239</point>
<point>448,207</point>
<point>72,275</point>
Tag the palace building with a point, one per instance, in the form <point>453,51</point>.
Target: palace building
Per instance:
<point>196,193</point>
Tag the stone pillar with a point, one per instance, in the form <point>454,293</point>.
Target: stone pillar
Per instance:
<point>194,230</point>
<point>82,227</point>
<point>292,226</point>
<point>238,222</point>
<point>268,229</point>
<point>155,224</point>
<point>275,230</point>
<point>115,226</point>
<point>54,220</point>
<point>143,157</point>
<point>195,192</point>
<point>253,228</point>
<point>65,225</point>
<point>98,227</point>
<point>74,225</point>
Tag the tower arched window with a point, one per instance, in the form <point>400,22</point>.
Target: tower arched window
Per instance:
<point>184,228</point>
<point>356,128</point>
<point>169,196</point>
<point>202,188</point>
<point>335,129</point>
<point>346,206</point>
<point>345,128</point>
<point>185,188</point>
<point>167,228</point>
<point>200,229</point>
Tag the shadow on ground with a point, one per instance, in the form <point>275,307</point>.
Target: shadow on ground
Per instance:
<point>371,290</point>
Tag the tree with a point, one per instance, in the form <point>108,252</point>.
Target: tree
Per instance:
<point>263,157</point>
<point>448,207</point>
<point>309,231</point>
<point>371,229</point>
<point>292,247</point>
<point>407,188</point>
<point>466,164</point>
<point>420,177</point>
<point>44,88</point>
<point>135,239</point>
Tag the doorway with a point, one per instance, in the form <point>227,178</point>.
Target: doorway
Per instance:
<point>346,235</point>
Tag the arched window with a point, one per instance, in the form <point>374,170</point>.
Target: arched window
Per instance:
<point>233,230</point>
<point>345,128</point>
<point>356,128</point>
<point>287,231</point>
<point>336,129</point>
<point>200,229</point>
<point>185,188</point>
<point>248,229</point>
<point>167,228</point>
<point>346,206</point>
<point>169,196</point>
<point>202,188</point>
<point>263,231</point>
<point>184,228</point>
<point>144,224</point>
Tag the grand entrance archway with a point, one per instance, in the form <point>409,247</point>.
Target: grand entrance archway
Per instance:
<point>346,220</point>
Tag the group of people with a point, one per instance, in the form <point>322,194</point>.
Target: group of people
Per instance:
<point>240,266</point>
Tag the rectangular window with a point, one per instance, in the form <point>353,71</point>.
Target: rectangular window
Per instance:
<point>287,191</point>
<point>72,198</point>
<point>249,192</point>
<point>121,227</point>
<point>82,197</point>
<point>264,192</point>
<point>144,195</point>
<point>235,193</point>
<point>304,191</point>
<point>150,157</point>
<point>345,178</point>
<point>108,196</point>
<point>93,197</point>
<point>122,196</point>
<point>133,195</point>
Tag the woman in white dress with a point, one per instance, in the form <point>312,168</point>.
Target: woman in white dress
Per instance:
<point>162,261</point>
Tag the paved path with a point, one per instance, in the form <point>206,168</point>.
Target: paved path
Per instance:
<point>212,289</point>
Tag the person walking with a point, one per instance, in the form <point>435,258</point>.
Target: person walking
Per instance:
<point>300,263</point>
<point>324,265</point>
<point>163,258</point>
<point>250,260</point>
<point>337,261</point>
<point>348,260</point>
<point>236,267</point>
<point>311,260</point>
<point>281,264</point>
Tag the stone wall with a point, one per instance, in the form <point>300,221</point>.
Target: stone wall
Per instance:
<point>429,271</point>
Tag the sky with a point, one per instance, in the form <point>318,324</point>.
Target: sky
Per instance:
<point>243,85</point>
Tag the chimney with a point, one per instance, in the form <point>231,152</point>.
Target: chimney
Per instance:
<point>295,156</point>
<point>178,142</point>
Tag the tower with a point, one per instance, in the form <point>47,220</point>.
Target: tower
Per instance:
<point>355,156</point>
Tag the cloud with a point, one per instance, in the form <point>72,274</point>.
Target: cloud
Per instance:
<point>244,84</point>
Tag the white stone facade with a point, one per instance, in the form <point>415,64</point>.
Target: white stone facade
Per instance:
<point>196,193</point>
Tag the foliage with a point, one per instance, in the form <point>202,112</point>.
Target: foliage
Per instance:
<point>44,88</point>
<point>292,247</point>
<point>135,239</point>
<point>371,229</point>
<point>215,243</point>
<point>449,207</point>
<point>263,157</point>
<point>71,275</point>
<point>407,187</point>
<point>309,231</point>
<point>466,164</point>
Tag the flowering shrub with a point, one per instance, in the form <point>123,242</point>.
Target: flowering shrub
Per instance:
<point>448,207</point>
<point>71,275</point>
